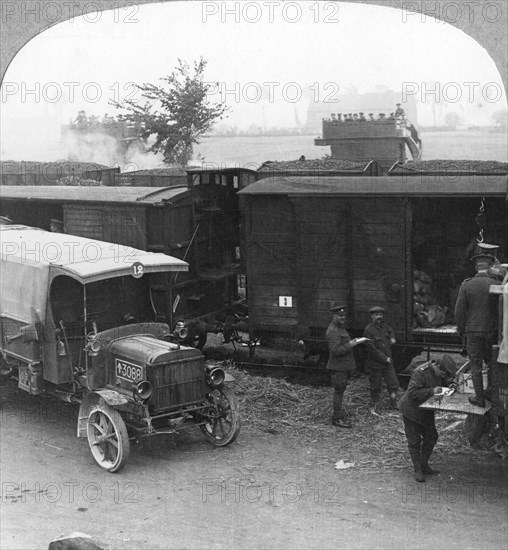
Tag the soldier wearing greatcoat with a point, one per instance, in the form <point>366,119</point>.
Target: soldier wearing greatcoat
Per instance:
<point>476,317</point>
<point>341,361</point>
<point>419,424</point>
<point>379,362</point>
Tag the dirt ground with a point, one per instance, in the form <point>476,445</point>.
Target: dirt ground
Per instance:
<point>269,489</point>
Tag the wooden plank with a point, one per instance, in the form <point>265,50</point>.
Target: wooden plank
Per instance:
<point>264,325</point>
<point>315,229</point>
<point>263,237</point>
<point>457,402</point>
<point>324,284</point>
<point>275,289</point>
<point>320,216</point>
<point>271,312</point>
<point>266,279</point>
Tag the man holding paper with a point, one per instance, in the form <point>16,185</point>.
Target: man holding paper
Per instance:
<point>341,361</point>
<point>427,380</point>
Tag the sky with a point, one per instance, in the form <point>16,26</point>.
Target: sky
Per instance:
<point>269,60</point>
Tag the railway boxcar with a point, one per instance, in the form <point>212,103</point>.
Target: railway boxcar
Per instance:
<point>197,222</point>
<point>389,241</point>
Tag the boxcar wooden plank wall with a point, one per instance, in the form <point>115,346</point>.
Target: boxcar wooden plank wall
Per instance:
<point>351,251</point>
<point>378,258</point>
<point>323,226</point>
<point>84,221</point>
<point>269,227</point>
<point>115,224</point>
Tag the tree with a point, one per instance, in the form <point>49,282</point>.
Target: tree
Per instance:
<point>177,114</point>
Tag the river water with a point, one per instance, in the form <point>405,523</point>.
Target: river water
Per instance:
<point>251,151</point>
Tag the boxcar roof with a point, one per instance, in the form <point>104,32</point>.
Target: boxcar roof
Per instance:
<point>85,259</point>
<point>95,194</point>
<point>392,186</point>
<point>212,168</point>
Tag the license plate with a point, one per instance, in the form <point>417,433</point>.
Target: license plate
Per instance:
<point>128,371</point>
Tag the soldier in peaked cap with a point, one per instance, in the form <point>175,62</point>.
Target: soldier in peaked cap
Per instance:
<point>379,359</point>
<point>341,361</point>
<point>476,317</point>
<point>399,111</point>
<point>56,225</point>
<point>419,424</point>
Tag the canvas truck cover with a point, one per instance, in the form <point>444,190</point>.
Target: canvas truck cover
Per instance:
<point>30,258</point>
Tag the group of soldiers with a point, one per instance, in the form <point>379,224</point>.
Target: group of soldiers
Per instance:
<point>82,119</point>
<point>353,117</point>
<point>476,317</point>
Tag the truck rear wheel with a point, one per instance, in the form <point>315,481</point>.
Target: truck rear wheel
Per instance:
<point>223,423</point>
<point>107,437</point>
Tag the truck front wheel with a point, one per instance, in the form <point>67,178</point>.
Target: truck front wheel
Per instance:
<point>223,417</point>
<point>107,437</point>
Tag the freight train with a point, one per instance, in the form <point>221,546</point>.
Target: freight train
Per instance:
<point>293,238</point>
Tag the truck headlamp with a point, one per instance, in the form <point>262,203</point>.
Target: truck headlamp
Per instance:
<point>143,390</point>
<point>215,376</point>
<point>93,346</point>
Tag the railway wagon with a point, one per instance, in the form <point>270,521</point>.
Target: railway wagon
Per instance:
<point>49,173</point>
<point>403,244</point>
<point>199,225</point>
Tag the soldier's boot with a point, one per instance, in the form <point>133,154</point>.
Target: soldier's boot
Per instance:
<point>477,399</point>
<point>416,459</point>
<point>393,401</point>
<point>426,468</point>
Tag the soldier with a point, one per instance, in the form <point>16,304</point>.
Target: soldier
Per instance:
<point>476,317</point>
<point>341,361</point>
<point>427,380</point>
<point>362,117</point>
<point>371,116</point>
<point>399,111</point>
<point>55,225</point>
<point>379,359</point>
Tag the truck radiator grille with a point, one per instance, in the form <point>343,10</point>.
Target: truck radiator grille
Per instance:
<point>177,383</point>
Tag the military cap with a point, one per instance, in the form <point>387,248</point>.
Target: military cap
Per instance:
<point>448,364</point>
<point>484,250</point>
<point>338,309</point>
<point>56,220</point>
<point>377,309</point>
